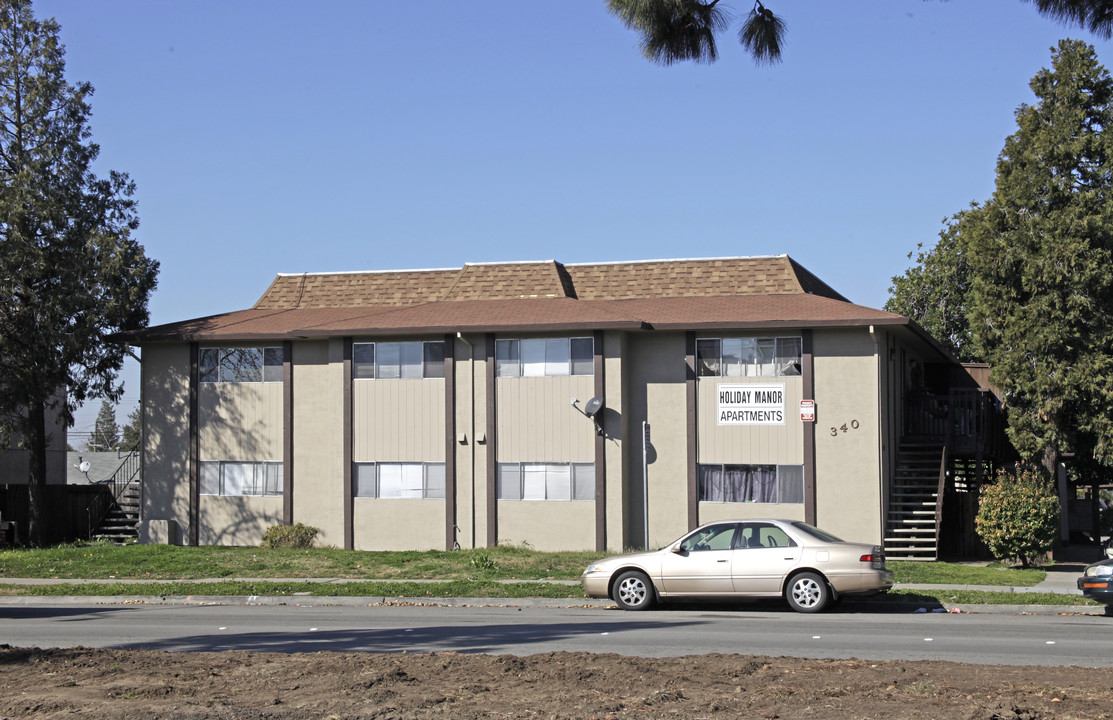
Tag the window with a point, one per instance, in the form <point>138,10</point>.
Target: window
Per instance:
<point>715,537</point>
<point>763,535</point>
<point>507,363</point>
<point>546,481</point>
<point>399,480</point>
<point>392,360</point>
<point>752,483</point>
<point>363,360</point>
<point>749,357</point>
<point>583,356</point>
<point>545,357</point>
<point>230,478</point>
<point>236,365</point>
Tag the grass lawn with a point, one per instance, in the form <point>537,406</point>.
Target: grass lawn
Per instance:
<point>166,562</point>
<point>950,574</point>
<point>409,590</point>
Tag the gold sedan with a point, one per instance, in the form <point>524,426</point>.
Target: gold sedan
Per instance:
<point>743,558</point>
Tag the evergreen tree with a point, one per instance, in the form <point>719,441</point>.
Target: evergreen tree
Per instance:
<point>70,271</point>
<point>133,431</point>
<point>933,293</point>
<point>106,433</point>
<point>1041,264</point>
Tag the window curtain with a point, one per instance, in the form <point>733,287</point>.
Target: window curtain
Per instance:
<point>790,483</point>
<point>763,483</point>
<point>740,483</point>
<point>730,483</point>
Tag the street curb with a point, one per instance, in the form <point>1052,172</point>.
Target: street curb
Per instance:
<point>847,606</point>
<point>299,601</point>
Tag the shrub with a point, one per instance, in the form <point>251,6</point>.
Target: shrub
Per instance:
<point>290,536</point>
<point>1018,516</point>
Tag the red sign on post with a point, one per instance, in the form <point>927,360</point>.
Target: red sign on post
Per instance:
<point>807,410</point>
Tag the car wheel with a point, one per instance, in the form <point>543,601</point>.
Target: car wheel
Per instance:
<point>807,593</point>
<point>633,591</point>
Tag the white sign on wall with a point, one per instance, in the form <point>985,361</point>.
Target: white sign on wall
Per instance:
<point>752,404</point>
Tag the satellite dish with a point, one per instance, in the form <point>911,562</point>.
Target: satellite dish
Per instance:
<point>84,466</point>
<point>594,405</point>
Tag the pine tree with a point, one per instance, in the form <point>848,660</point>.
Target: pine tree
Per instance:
<point>1041,263</point>
<point>70,271</point>
<point>133,431</point>
<point>106,433</point>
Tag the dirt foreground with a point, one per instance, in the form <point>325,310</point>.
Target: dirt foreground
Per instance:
<point>149,685</point>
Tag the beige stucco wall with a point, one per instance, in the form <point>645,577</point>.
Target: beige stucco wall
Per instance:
<point>848,464</point>
<point>749,444</point>
<point>239,521</point>
<point>318,376</point>
<point>15,461</point>
<point>396,524</point>
<point>240,421</point>
<point>537,423</point>
<point>165,391</point>
<point>398,420</point>
<point>547,525</point>
<point>657,393</point>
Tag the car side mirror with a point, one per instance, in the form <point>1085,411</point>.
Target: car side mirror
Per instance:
<point>676,548</point>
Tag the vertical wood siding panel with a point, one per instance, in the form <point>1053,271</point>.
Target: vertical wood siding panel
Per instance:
<point>743,444</point>
<point>241,421</point>
<point>537,423</point>
<point>399,420</point>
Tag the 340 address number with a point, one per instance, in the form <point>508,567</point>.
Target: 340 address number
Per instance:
<point>844,428</point>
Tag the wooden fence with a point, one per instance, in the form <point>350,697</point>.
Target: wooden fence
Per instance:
<point>69,512</point>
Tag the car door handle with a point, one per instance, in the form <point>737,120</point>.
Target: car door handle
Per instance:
<point>720,561</point>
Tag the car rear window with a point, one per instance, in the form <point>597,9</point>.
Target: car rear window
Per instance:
<point>816,532</point>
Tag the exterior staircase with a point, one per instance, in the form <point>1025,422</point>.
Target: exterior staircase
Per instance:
<point>121,523</point>
<point>911,531</point>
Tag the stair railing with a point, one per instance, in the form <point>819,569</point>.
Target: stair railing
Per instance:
<point>941,490</point>
<point>117,484</point>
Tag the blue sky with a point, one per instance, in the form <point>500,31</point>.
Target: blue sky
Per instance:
<point>284,136</point>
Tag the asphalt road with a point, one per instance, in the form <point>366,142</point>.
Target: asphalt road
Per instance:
<point>974,638</point>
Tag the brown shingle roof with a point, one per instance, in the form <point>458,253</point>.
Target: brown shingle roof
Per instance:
<point>404,287</point>
<point>508,281</point>
<point>535,296</point>
<point>715,277</point>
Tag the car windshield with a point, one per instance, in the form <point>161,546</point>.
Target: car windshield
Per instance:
<point>816,532</point>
